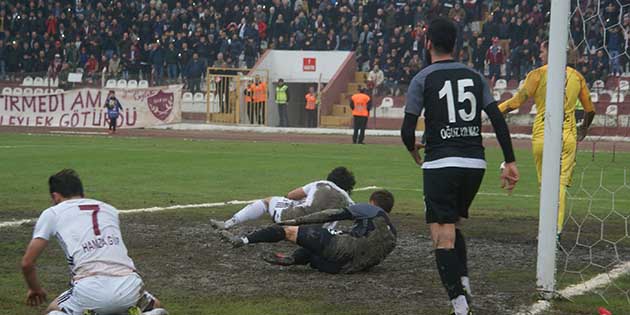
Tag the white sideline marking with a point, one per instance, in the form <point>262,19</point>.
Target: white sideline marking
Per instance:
<point>601,280</point>
<point>336,131</point>
<point>78,132</point>
<point>152,209</point>
<point>15,223</point>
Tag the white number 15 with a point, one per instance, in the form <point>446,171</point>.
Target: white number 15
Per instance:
<point>462,96</point>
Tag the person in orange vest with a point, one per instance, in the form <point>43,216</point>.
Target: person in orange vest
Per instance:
<point>249,101</point>
<point>311,108</point>
<point>260,100</point>
<point>361,105</point>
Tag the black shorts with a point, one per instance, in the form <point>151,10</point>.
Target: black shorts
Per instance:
<point>316,239</point>
<point>449,191</point>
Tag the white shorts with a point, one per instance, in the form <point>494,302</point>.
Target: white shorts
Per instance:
<point>279,204</point>
<point>105,295</point>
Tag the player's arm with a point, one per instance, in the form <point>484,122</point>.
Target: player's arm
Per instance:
<point>351,104</point>
<point>330,215</point>
<point>413,108</point>
<point>509,175</point>
<point>589,110</point>
<point>523,94</point>
<point>297,194</point>
<point>36,294</point>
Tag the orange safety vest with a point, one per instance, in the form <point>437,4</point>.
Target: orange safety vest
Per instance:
<point>311,101</point>
<point>360,101</point>
<point>260,92</point>
<point>248,94</point>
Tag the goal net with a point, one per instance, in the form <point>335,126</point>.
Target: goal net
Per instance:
<point>593,254</point>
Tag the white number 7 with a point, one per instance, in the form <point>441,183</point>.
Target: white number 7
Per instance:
<point>462,96</point>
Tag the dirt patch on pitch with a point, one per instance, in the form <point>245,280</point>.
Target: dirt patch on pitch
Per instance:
<point>194,260</point>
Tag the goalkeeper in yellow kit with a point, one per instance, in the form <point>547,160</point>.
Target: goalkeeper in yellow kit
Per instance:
<point>575,88</point>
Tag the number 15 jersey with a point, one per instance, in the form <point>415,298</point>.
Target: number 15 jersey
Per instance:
<point>88,231</point>
<point>452,97</point>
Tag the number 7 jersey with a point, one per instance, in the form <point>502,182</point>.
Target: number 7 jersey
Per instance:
<point>88,231</point>
<point>452,97</point>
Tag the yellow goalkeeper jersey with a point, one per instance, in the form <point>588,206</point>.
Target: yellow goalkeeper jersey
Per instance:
<point>536,85</point>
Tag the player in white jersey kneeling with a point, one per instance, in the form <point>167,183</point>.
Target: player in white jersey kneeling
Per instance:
<point>104,278</point>
<point>332,193</point>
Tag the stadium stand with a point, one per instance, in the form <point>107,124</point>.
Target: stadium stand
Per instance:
<point>154,40</point>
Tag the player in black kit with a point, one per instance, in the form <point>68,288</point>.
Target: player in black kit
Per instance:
<point>369,241</point>
<point>452,97</point>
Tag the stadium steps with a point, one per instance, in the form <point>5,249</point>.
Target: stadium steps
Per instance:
<point>341,110</point>
<point>336,121</point>
<point>341,115</point>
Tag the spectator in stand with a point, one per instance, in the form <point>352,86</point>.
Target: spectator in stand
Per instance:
<point>375,80</point>
<point>504,35</point>
<point>194,70</point>
<point>91,66</point>
<point>113,69</point>
<point>55,67</point>
<point>599,66</point>
<point>3,60</point>
<point>171,60</point>
<point>156,57</point>
<point>495,58</point>
<point>615,41</point>
<point>478,55</point>
<point>373,29</point>
<point>250,52</point>
<point>526,56</point>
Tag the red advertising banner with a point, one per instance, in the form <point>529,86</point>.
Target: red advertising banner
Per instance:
<point>309,64</point>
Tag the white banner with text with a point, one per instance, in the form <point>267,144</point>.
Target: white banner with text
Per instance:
<point>85,108</point>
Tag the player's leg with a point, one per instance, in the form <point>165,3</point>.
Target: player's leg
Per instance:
<point>250,112</point>
<point>355,125</point>
<point>270,234</point>
<point>114,121</point>
<point>471,181</point>
<point>569,148</point>
<point>441,191</point>
<point>537,151</point>
<point>362,129</point>
<point>53,307</point>
<point>252,211</point>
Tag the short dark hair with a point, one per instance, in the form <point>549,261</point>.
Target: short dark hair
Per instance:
<point>443,34</point>
<point>383,199</point>
<point>66,183</point>
<point>342,177</point>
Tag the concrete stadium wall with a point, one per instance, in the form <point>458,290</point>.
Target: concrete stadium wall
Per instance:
<point>338,84</point>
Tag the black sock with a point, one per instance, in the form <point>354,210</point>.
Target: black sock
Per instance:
<point>301,256</point>
<point>270,234</point>
<point>448,267</point>
<point>460,248</point>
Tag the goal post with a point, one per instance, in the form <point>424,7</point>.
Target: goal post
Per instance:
<point>554,116</point>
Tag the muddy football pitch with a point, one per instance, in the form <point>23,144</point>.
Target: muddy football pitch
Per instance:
<point>184,263</point>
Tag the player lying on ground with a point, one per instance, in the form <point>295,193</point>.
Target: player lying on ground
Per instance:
<point>366,244</point>
<point>535,86</point>
<point>331,193</point>
<point>104,279</point>
<point>452,97</point>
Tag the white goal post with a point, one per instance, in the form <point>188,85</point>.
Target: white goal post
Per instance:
<point>554,116</point>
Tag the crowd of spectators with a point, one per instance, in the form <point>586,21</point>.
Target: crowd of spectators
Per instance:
<point>175,40</point>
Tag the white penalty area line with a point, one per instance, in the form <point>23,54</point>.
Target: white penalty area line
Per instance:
<point>599,281</point>
<point>15,223</point>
